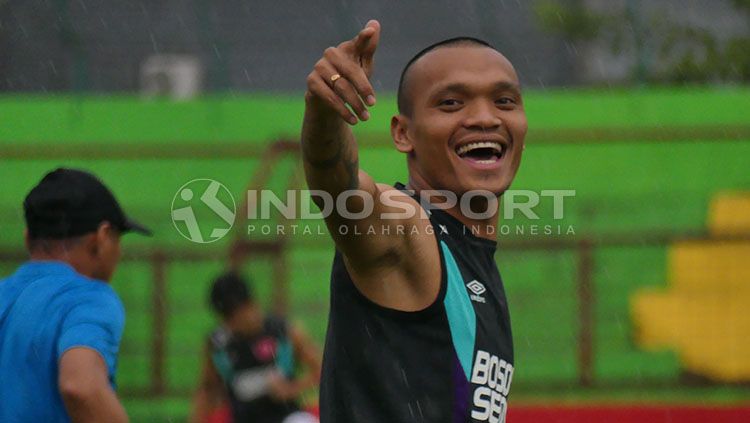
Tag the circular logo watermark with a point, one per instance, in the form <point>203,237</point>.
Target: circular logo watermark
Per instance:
<point>203,210</point>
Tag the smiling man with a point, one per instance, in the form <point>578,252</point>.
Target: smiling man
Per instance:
<point>419,329</point>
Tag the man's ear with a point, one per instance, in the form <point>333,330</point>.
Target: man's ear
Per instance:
<point>400,135</point>
<point>99,238</point>
<point>26,240</point>
<point>90,243</point>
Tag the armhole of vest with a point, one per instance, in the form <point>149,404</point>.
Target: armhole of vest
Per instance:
<point>426,312</point>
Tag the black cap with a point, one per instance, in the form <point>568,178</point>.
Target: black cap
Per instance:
<point>228,292</point>
<point>69,202</point>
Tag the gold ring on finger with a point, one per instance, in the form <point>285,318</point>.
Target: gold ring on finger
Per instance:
<point>335,77</point>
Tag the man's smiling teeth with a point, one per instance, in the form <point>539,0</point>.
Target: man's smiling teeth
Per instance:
<point>481,144</point>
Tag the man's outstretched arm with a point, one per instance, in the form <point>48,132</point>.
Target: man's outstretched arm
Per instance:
<point>389,267</point>
<point>339,81</point>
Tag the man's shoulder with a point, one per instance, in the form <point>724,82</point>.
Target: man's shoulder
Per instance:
<point>385,187</point>
<point>91,297</point>
<point>83,287</point>
<point>219,338</point>
<point>64,286</point>
<point>395,192</point>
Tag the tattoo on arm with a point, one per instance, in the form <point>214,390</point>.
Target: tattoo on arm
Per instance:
<point>343,156</point>
<point>322,164</point>
<point>352,173</point>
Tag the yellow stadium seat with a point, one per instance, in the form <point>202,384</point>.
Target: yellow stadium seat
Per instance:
<point>655,316</point>
<point>729,214</point>
<point>709,266</point>
<point>711,333</point>
<point>704,314</point>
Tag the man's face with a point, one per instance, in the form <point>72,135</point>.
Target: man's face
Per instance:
<point>109,253</point>
<point>247,319</point>
<point>467,125</point>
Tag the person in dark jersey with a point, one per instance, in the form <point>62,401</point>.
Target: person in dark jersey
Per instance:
<point>419,328</point>
<point>251,361</point>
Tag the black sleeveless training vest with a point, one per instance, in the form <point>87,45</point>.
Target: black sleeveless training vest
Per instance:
<point>451,362</point>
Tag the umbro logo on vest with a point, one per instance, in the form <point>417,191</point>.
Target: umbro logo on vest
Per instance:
<point>477,289</point>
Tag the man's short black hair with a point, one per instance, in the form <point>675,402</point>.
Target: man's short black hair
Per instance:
<point>404,105</point>
<point>228,292</point>
<point>50,246</point>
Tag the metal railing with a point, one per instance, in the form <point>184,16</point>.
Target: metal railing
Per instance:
<point>583,249</point>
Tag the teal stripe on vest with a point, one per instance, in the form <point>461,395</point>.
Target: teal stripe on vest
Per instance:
<point>223,365</point>
<point>285,357</point>
<point>461,317</point>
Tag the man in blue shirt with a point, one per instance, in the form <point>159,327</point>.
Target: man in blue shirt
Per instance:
<point>60,321</point>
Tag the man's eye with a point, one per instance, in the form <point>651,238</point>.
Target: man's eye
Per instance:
<point>449,102</point>
<point>505,100</point>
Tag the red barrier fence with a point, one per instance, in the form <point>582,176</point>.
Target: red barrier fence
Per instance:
<point>673,413</point>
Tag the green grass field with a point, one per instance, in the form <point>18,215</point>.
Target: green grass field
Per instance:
<point>622,187</point>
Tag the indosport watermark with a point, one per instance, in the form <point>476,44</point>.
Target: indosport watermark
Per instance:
<point>204,211</point>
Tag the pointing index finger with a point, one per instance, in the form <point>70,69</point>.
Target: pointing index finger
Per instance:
<point>366,46</point>
<point>364,40</point>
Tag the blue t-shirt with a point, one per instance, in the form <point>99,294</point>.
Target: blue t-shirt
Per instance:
<point>47,308</point>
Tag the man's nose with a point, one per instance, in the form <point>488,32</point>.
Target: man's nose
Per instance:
<point>482,115</point>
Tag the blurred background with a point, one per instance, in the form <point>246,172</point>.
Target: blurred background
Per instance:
<point>634,301</point>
